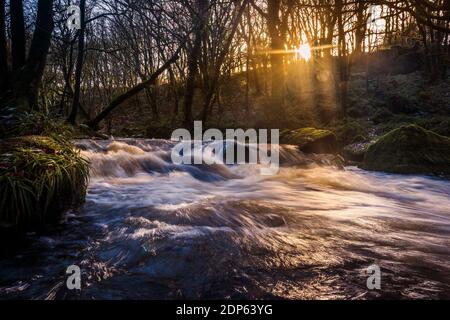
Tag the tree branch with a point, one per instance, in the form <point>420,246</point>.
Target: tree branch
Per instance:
<point>133,91</point>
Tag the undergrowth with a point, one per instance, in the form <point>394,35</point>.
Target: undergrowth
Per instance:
<point>40,176</point>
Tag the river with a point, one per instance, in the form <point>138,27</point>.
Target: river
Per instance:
<point>154,230</point>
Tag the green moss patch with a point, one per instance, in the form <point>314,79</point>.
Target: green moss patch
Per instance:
<point>40,178</point>
<point>311,140</point>
<point>410,149</point>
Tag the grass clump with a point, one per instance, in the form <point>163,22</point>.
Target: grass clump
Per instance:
<point>40,178</point>
<point>44,124</point>
<point>37,123</point>
<point>410,149</point>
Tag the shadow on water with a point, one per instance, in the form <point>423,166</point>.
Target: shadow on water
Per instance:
<point>152,229</point>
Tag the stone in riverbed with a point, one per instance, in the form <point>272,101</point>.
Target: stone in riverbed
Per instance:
<point>409,149</point>
<point>311,140</point>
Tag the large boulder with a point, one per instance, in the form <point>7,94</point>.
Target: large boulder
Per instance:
<point>410,149</point>
<point>311,140</point>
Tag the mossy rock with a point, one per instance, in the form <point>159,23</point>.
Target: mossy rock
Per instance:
<point>40,178</point>
<point>409,149</point>
<point>311,140</point>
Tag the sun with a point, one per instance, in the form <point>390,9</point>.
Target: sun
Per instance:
<point>304,52</point>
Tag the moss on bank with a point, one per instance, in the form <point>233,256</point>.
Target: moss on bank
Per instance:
<point>410,149</point>
<point>40,178</point>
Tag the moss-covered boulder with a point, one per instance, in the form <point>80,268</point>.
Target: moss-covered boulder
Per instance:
<point>410,149</point>
<point>311,140</point>
<point>40,178</point>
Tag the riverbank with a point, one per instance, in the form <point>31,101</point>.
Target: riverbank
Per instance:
<point>41,177</point>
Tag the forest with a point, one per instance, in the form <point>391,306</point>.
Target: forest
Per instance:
<point>92,90</point>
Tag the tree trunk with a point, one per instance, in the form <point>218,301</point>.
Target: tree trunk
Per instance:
<point>67,73</point>
<point>276,58</point>
<point>79,67</point>
<point>342,62</point>
<point>17,34</point>
<point>26,86</point>
<point>151,95</point>
<point>193,57</point>
<point>360,28</point>
<point>223,53</point>
<point>4,73</point>
<point>174,88</point>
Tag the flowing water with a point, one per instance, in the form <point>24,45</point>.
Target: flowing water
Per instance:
<point>151,229</point>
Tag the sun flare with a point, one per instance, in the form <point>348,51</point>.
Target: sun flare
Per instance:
<point>304,52</point>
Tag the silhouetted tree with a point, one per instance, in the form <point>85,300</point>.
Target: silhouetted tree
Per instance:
<point>29,77</point>
<point>4,72</point>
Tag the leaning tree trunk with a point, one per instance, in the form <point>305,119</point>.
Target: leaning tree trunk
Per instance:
<point>26,86</point>
<point>132,92</point>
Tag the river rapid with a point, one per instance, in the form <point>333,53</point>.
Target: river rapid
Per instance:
<point>151,229</point>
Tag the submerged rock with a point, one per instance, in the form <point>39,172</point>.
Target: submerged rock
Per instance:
<point>311,140</point>
<point>409,149</point>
